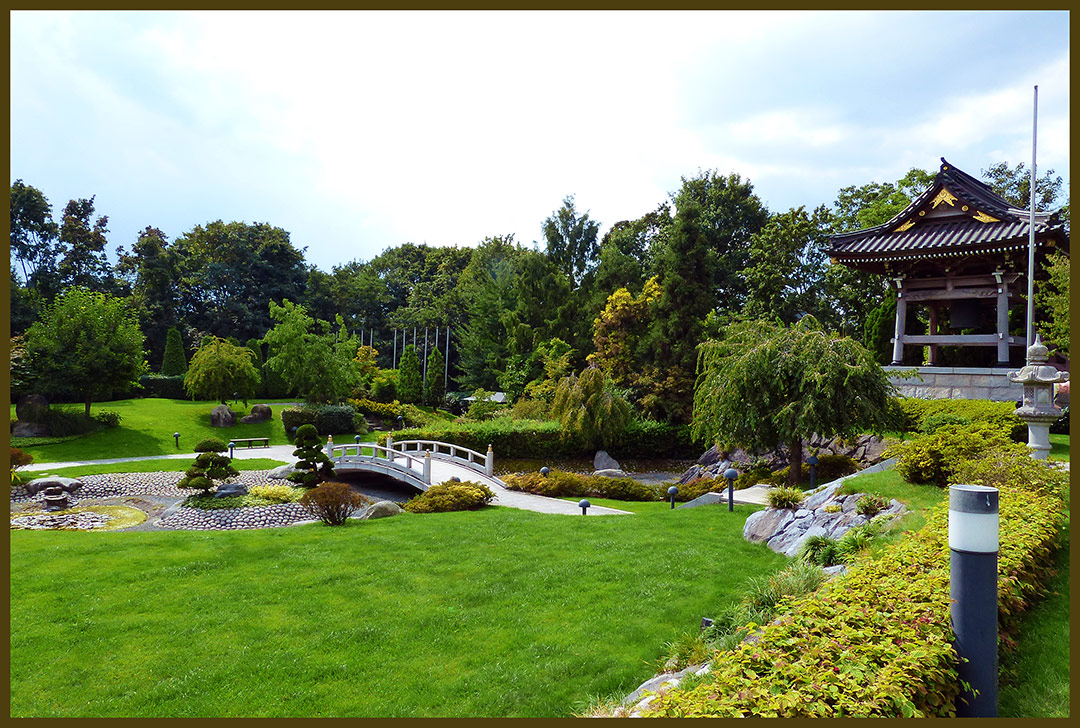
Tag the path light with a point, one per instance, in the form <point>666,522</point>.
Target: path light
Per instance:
<point>176,436</point>
<point>231,446</point>
<point>671,493</point>
<point>731,474</point>
<point>400,422</point>
<point>812,461</point>
<point>544,471</point>
<point>584,504</point>
<point>705,623</point>
<point>973,590</point>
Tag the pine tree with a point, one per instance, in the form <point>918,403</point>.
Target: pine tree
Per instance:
<point>174,362</point>
<point>409,386</point>
<point>314,465</point>
<point>435,389</point>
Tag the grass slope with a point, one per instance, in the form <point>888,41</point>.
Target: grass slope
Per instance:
<point>498,612</point>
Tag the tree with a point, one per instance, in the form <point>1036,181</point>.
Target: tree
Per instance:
<point>488,295</point>
<point>589,409</point>
<point>571,240</point>
<point>174,361</point>
<point>1053,296</point>
<point>786,262</point>
<point>765,385</point>
<point>434,388</point>
<point>1013,184</point>
<point>33,235</point>
<point>314,465</point>
<point>409,386</point>
<point>152,270</point>
<point>618,332</point>
<point>209,466</point>
<point>84,262</point>
<point>310,357</point>
<point>220,370</point>
<point>89,342</point>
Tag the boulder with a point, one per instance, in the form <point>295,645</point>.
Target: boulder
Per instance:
<point>381,509</point>
<point>68,485</point>
<point>227,490</point>
<point>710,457</point>
<point>222,416</point>
<point>32,408</point>
<point>821,495</point>
<point>611,473</point>
<point>603,461</point>
<point>29,429</point>
<point>281,472</point>
<point>259,413</point>
<point>762,525</point>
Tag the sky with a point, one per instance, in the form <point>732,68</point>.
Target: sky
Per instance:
<point>360,131</point>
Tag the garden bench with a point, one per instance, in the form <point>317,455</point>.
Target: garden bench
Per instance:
<point>251,440</point>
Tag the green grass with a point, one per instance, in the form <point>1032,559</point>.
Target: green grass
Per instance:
<point>1034,679</point>
<point>1059,447</point>
<point>147,429</point>
<point>173,465</point>
<point>888,484</point>
<point>497,612</point>
<point>653,506</point>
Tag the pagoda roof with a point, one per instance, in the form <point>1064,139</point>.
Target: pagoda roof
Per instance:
<point>957,215</point>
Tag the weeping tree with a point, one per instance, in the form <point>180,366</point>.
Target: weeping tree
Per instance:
<point>220,370</point>
<point>766,385</point>
<point>589,409</point>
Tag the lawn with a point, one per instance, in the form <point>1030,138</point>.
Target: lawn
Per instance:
<point>1059,447</point>
<point>172,465</point>
<point>498,612</point>
<point>888,484</point>
<point>147,429</point>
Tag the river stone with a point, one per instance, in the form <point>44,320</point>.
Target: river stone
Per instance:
<point>29,429</point>
<point>611,473</point>
<point>68,485</point>
<point>381,509</point>
<point>222,416</point>
<point>763,525</point>
<point>227,490</point>
<point>603,461</point>
<point>281,472</point>
<point>31,408</point>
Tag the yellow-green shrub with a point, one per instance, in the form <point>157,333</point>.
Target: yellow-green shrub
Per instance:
<point>932,458</point>
<point>560,484</point>
<point>277,493</point>
<point>466,495</point>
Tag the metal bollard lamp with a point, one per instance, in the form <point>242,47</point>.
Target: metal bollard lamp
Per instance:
<point>812,461</point>
<point>672,492</point>
<point>731,474</point>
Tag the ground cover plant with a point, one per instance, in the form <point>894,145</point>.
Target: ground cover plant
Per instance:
<point>496,612</point>
<point>147,428</point>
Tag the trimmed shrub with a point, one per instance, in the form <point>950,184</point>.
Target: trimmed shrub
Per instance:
<point>466,495</point>
<point>210,444</point>
<point>276,493</point>
<point>931,423</point>
<point>784,497</point>
<point>174,361</point>
<point>916,411</point>
<point>510,438</point>
<point>329,419</point>
<point>109,418</point>
<point>830,467</point>
<point>649,438</point>
<point>166,387</point>
<point>314,465</point>
<point>208,467</point>
<point>384,386</point>
<point>332,503</point>
<point>931,458</point>
<point>563,484</point>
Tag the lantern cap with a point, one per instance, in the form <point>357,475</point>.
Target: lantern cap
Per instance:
<point>731,473</point>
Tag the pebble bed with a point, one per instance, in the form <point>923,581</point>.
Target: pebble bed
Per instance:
<point>82,521</point>
<point>231,519</point>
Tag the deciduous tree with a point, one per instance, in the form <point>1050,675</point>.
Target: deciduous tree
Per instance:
<point>312,359</point>
<point>221,371</point>
<point>589,409</point>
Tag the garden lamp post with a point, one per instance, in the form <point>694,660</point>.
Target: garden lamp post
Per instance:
<point>671,494</point>
<point>400,422</point>
<point>584,505</point>
<point>973,591</point>
<point>731,474</point>
<point>176,436</point>
<point>232,445</point>
<point>812,461</point>
<point>544,471</point>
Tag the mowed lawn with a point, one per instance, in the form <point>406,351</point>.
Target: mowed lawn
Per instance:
<point>498,612</point>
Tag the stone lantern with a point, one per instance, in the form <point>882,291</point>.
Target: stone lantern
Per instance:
<point>1037,409</point>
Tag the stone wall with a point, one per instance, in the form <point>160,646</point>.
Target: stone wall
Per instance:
<point>957,383</point>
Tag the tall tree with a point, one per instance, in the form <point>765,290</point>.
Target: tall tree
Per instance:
<point>410,385</point>
<point>152,270</point>
<point>310,357</point>
<point>87,341</point>
<point>1014,185</point>
<point>434,388</point>
<point>571,240</point>
<point>589,409</point>
<point>785,267</point>
<point>487,291</point>
<point>765,385</point>
<point>1053,296</point>
<point>174,361</point>
<point>33,236</point>
<point>82,239</point>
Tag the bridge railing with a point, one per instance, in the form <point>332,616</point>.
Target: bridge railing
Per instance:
<point>356,453</point>
<point>448,451</point>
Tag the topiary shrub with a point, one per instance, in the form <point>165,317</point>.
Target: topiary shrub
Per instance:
<point>210,444</point>
<point>784,497</point>
<point>208,467</point>
<point>466,495</point>
<point>699,487</point>
<point>329,419</point>
<point>332,503</point>
<point>314,466</point>
<point>174,361</point>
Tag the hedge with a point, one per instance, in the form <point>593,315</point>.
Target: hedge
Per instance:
<point>466,495</point>
<point>159,385</point>
<point>562,484</point>
<point>916,411</point>
<point>328,419</point>
<point>877,641</point>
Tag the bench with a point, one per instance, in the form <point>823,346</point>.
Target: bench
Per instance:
<point>251,441</point>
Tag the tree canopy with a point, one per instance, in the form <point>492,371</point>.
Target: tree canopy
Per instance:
<point>312,359</point>
<point>221,371</point>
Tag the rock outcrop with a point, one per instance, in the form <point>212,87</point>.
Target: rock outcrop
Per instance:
<point>222,416</point>
<point>259,413</point>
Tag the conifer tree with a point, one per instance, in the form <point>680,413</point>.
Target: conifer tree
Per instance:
<point>409,386</point>
<point>174,362</point>
<point>434,388</point>
<point>314,466</point>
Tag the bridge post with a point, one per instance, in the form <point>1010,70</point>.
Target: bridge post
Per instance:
<point>427,466</point>
<point>489,464</point>
<point>390,446</point>
<point>330,446</point>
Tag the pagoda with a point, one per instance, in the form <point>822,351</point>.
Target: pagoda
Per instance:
<point>961,251</point>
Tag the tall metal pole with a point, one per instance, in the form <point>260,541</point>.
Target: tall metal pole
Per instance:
<point>395,349</point>
<point>425,357</point>
<point>446,371</point>
<point>1031,232</point>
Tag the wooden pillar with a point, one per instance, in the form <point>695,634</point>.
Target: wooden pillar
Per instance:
<point>933,307</point>
<point>901,321</point>
<point>1002,319</point>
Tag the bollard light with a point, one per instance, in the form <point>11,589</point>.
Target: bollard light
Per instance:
<point>706,623</point>
<point>400,422</point>
<point>584,504</point>
<point>812,461</point>
<point>544,471</point>
<point>176,436</point>
<point>731,474</point>
<point>973,592</point>
<point>671,494</point>
<point>357,438</point>
<point>232,445</point>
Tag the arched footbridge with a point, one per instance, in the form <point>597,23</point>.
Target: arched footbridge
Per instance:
<point>424,463</point>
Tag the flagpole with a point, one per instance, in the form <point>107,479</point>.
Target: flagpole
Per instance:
<point>1031,231</point>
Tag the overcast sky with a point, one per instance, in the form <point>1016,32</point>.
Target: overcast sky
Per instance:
<point>358,131</point>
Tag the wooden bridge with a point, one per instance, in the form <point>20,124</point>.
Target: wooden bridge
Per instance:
<point>419,463</point>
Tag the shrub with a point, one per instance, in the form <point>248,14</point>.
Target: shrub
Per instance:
<point>409,382</point>
<point>208,467</point>
<point>562,484</point>
<point>649,438</point>
<point>314,465</point>
<point>384,386</point>
<point>830,467</point>
<point>332,503</point>
<point>530,409</point>
<point>210,444</point>
<point>931,458</point>
<point>64,422</point>
<point>832,508</point>
<point>1012,469</point>
<point>698,487</point>
<point>509,438</point>
<point>329,419</point>
<point>784,497</point>
<point>916,411</point>
<point>1061,425</point>
<point>109,418</point>
<point>19,458</point>
<point>483,407</point>
<point>870,505</point>
<point>821,550</point>
<point>174,361</point>
<point>466,495</point>
<point>276,493</point>
<point>166,387</point>
<point>932,422</point>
